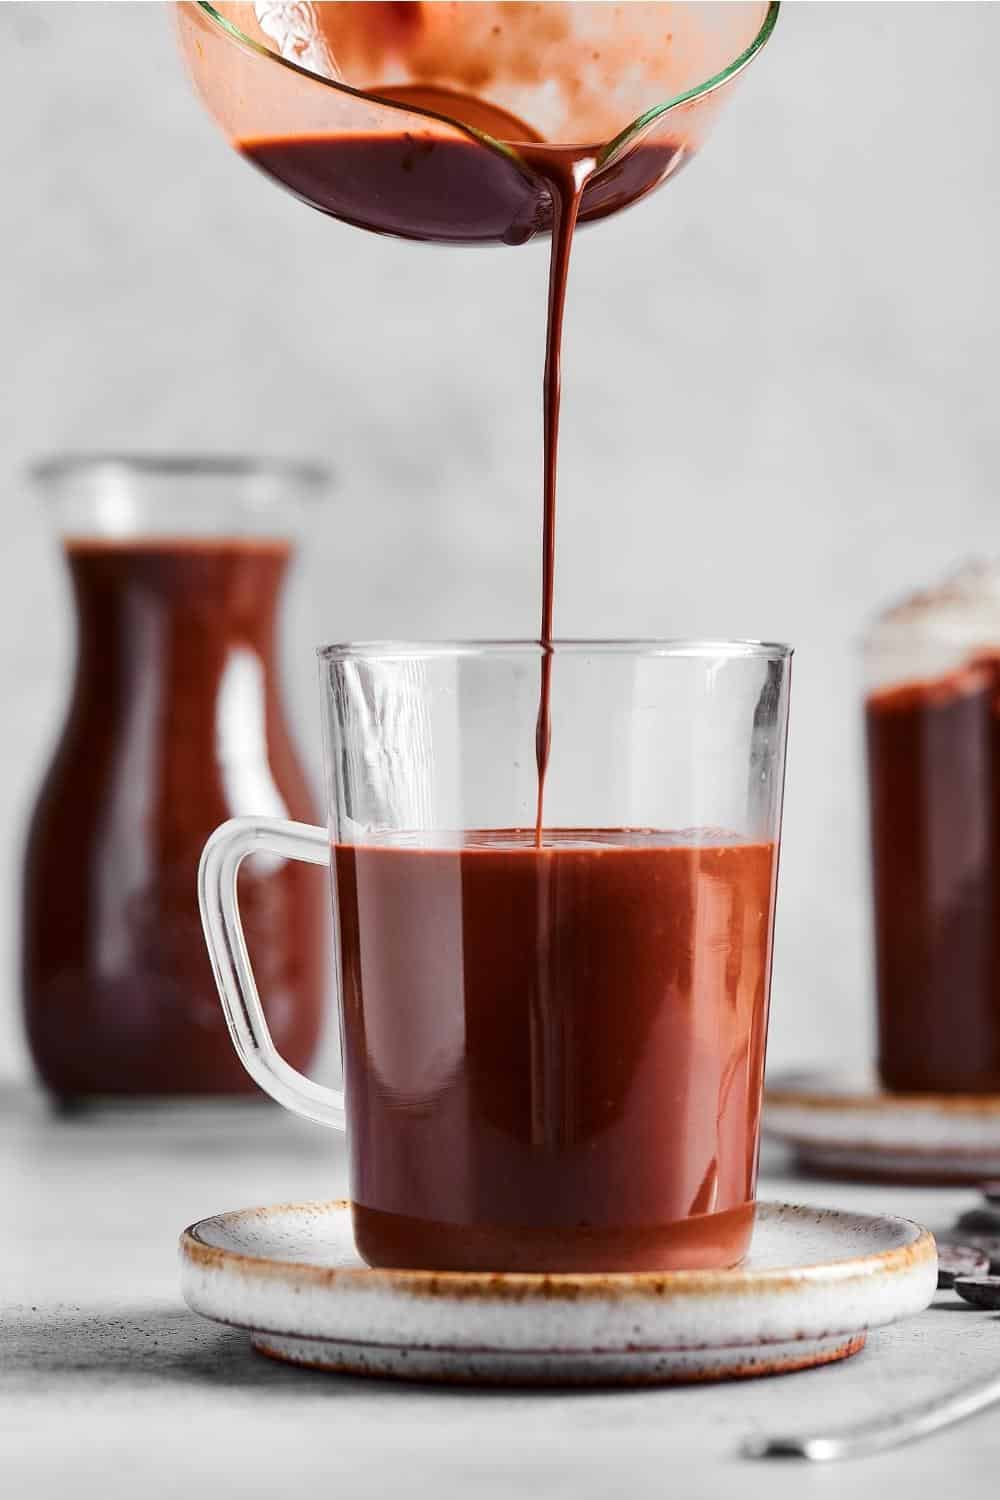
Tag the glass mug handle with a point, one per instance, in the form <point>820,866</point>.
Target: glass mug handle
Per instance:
<point>220,916</point>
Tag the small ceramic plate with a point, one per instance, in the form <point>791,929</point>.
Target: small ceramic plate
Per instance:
<point>814,1283</point>
<point>852,1127</point>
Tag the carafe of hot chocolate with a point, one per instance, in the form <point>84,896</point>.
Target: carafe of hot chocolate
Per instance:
<point>175,721</point>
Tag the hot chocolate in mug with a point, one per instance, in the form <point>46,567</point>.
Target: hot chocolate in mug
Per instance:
<point>553,1011</point>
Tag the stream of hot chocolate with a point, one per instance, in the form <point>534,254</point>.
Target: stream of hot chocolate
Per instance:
<point>426,185</point>
<point>567,171</point>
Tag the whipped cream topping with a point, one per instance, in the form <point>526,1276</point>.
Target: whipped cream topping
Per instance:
<point>962,610</point>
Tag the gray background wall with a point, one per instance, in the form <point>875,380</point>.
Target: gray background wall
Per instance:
<point>780,403</point>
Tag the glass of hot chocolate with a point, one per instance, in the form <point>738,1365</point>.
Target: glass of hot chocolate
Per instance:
<point>554,969</point>
<point>933,736</point>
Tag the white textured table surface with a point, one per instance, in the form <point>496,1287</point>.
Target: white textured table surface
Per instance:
<point>110,1387</point>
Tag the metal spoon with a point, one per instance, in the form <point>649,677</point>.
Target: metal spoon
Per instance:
<point>879,1433</point>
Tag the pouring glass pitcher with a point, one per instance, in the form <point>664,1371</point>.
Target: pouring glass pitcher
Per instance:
<point>319,96</point>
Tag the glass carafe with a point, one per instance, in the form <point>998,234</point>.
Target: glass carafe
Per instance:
<point>175,721</point>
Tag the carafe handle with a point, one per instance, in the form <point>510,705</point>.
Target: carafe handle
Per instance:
<point>220,915</point>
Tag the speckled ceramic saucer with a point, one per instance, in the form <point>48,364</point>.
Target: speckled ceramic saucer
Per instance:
<point>852,1127</point>
<point>814,1283</point>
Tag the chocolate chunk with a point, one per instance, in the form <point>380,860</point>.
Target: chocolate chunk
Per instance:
<point>981,1291</point>
<point>980,1221</point>
<point>960,1260</point>
<point>989,1244</point>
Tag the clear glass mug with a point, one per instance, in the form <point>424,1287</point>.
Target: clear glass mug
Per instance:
<point>553,1045</point>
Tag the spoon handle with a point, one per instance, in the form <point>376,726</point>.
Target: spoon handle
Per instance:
<point>879,1433</point>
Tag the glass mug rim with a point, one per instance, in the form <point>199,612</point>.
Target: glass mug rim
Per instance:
<point>698,648</point>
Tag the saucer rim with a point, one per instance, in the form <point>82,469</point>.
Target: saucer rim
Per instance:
<point>917,1248</point>
<point>803,1088</point>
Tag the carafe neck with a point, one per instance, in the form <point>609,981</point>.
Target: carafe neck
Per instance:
<point>177,608</point>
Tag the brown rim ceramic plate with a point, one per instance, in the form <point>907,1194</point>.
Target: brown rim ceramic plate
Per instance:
<point>843,1126</point>
<point>813,1284</point>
